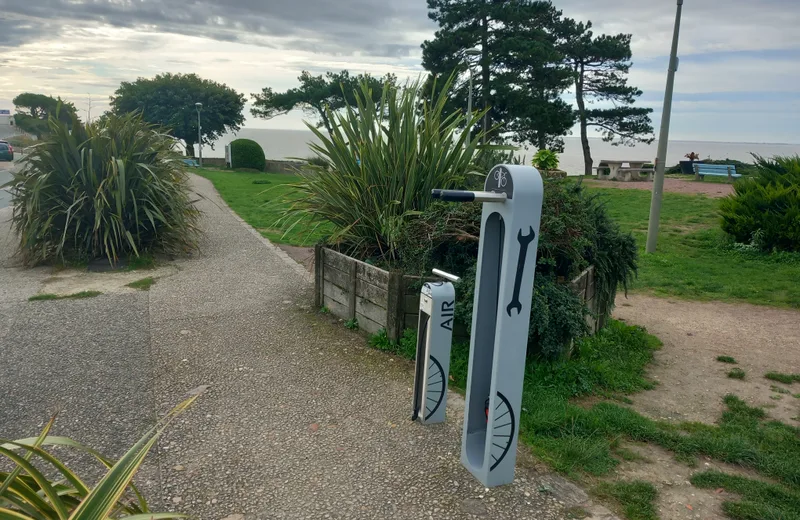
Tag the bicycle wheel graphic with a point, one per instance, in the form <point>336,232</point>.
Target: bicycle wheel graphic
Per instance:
<point>436,387</point>
<point>502,430</point>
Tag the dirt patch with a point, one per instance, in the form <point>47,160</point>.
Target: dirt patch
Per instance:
<point>677,498</point>
<point>71,281</point>
<point>670,186</point>
<point>760,339</point>
<point>301,255</point>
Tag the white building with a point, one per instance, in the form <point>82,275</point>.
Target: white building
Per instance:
<point>7,127</point>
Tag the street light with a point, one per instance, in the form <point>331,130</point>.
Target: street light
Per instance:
<point>468,53</point>
<point>663,139</point>
<point>199,107</point>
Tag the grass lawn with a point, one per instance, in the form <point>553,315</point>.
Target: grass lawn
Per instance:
<point>260,199</point>
<point>692,260</point>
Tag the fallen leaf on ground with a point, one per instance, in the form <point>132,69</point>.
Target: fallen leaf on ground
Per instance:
<point>313,427</point>
<point>689,507</point>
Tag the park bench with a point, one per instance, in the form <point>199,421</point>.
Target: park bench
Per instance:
<point>715,170</point>
<point>191,163</point>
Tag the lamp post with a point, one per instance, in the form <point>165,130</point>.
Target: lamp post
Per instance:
<point>663,139</point>
<point>199,107</point>
<point>468,53</point>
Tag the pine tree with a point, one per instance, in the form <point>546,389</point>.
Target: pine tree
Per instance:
<point>520,72</point>
<point>600,66</point>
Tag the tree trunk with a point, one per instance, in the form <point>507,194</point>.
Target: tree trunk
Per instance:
<point>325,121</point>
<point>486,73</point>
<point>587,152</point>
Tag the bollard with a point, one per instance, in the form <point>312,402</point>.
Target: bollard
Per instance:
<point>512,211</point>
<point>434,339</point>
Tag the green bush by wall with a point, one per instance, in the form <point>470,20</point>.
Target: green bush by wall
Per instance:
<point>246,153</point>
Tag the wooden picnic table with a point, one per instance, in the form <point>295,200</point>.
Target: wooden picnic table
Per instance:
<point>616,165</point>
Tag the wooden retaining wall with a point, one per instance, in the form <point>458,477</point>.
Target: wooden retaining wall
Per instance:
<point>380,299</point>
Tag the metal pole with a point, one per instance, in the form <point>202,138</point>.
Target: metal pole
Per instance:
<point>469,110</point>
<point>663,139</point>
<point>200,137</point>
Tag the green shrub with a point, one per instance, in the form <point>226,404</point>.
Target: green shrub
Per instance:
<point>545,160</point>
<point>383,161</point>
<point>575,232</point>
<point>764,210</point>
<point>246,153</point>
<point>110,189</point>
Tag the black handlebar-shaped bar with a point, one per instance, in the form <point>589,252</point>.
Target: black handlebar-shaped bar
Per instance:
<point>468,196</point>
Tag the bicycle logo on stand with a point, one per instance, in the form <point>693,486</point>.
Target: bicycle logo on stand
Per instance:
<point>500,177</point>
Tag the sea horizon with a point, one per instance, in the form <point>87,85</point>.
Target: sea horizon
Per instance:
<point>282,144</point>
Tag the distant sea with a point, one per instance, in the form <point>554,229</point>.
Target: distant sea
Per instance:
<point>284,144</point>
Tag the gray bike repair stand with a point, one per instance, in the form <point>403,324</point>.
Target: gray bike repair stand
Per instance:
<point>512,212</point>
<point>434,338</point>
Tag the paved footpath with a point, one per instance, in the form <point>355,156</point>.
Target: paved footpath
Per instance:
<point>300,419</point>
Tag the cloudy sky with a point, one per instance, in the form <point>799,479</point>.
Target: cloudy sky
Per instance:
<point>739,78</point>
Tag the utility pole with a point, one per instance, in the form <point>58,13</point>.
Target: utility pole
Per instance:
<point>199,107</point>
<point>663,139</point>
<point>89,110</point>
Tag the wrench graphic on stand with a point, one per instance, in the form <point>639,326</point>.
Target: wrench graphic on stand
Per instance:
<point>524,243</point>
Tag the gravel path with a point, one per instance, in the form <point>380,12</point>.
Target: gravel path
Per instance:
<point>710,189</point>
<point>299,420</point>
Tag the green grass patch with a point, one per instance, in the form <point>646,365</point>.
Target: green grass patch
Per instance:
<point>726,359</point>
<point>737,373</point>
<point>694,259</point>
<point>143,285</point>
<point>779,390</point>
<point>636,499</point>
<point>262,206</point>
<point>758,500</point>
<point>142,262</point>
<point>782,378</point>
<point>76,296</point>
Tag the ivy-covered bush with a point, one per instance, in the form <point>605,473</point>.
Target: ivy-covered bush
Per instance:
<point>246,153</point>
<point>576,232</point>
<point>764,210</point>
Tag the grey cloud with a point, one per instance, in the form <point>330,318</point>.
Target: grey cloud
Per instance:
<point>374,27</point>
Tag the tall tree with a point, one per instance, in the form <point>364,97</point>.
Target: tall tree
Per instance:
<point>33,111</point>
<point>169,100</point>
<point>534,75</point>
<point>463,25</point>
<point>600,67</point>
<point>520,71</point>
<point>317,94</point>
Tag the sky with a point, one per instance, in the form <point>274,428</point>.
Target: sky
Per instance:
<point>739,76</point>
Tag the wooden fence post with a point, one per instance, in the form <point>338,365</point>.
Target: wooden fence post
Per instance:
<point>319,277</point>
<point>351,296</point>
<point>395,306</point>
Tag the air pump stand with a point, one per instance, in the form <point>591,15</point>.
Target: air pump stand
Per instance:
<point>434,338</point>
<point>512,212</point>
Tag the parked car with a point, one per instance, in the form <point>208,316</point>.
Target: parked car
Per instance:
<point>6,151</point>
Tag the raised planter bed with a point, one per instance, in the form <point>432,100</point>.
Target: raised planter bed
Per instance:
<point>380,299</point>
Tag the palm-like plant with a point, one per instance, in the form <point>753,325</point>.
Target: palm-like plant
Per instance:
<point>27,494</point>
<point>383,159</point>
<point>106,189</point>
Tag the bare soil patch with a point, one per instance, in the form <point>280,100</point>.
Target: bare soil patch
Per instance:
<point>71,281</point>
<point>677,498</point>
<point>670,186</point>
<point>301,255</point>
<point>693,382</point>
